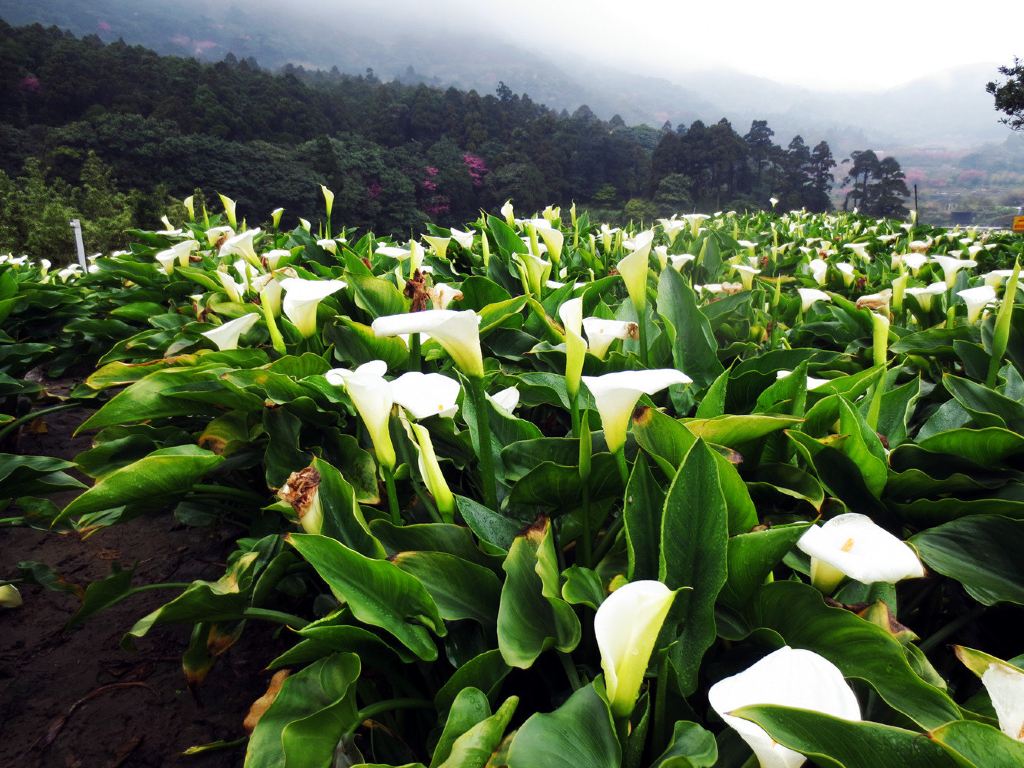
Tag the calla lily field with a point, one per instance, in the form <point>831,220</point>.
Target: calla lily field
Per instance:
<point>719,490</point>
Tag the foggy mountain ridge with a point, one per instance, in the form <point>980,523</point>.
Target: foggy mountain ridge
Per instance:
<point>950,110</point>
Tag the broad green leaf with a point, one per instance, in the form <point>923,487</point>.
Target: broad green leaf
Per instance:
<point>469,708</point>
<point>987,407</point>
<point>694,544</point>
<point>473,749</point>
<point>734,431</point>
<point>641,514</point>
<point>312,711</point>
<point>579,733</point>
<point>532,616</point>
<point>34,475</point>
<point>485,672</point>
<point>752,556</point>
<point>488,525</point>
<point>694,349</point>
<point>461,589</point>
<point>691,747</point>
<point>839,743</point>
<point>986,447</point>
<point>342,516</point>
<point>377,591</point>
<point>863,447</point>
<point>983,745</point>
<point>982,552</point>
<point>161,476</point>
<point>858,647</point>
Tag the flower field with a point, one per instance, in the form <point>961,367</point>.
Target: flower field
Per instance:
<point>730,490</point>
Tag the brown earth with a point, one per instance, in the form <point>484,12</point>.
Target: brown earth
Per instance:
<point>75,698</point>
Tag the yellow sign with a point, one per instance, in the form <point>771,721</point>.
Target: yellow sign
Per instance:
<point>1018,223</point>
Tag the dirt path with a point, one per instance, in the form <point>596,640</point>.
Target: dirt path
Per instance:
<point>119,708</point>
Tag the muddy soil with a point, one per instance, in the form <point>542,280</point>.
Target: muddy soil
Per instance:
<point>75,698</point>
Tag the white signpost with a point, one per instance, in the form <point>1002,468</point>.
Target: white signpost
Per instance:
<point>77,226</point>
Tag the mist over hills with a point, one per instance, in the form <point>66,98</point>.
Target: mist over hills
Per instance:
<point>929,124</point>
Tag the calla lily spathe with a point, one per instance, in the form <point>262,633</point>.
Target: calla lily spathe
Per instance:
<point>506,399</point>
<point>951,265</point>
<point>301,299</point>
<point>615,394</point>
<point>571,315</point>
<point>242,245</point>
<point>439,244</point>
<point>442,294</point>
<point>852,545</point>
<point>426,394</point>
<point>633,269</point>
<point>789,677</point>
<point>1004,683</point>
<point>370,393</point>
<point>464,239</point>
<point>626,627</point>
<point>179,252</point>
<point>924,295</point>
<point>810,295</point>
<point>226,336</point>
<point>458,332</point>
<point>554,240</point>
<point>10,597</point>
<point>976,300</point>
<point>602,333</point>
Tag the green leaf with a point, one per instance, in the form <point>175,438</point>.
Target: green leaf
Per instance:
<point>986,447</point>
<point>752,556</point>
<point>461,589</point>
<point>863,447</point>
<point>691,747</point>
<point>579,733</point>
<point>987,407</point>
<point>694,542</point>
<point>343,517</point>
<point>473,749</point>
<point>838,743</point>
<point>532,616</point>
<point>983,745</point>
<point>162,476</point>
<point>982,552</point>
<point>641,513</point>
<point>378,592</point>
<point>312,711</point>
<point>859,648</point>
<point>485,672</point>
<point>469,708</point>
<point>734,431</point>
<point>488,525</point>
<point>694,349</point>
<point>34,475</point>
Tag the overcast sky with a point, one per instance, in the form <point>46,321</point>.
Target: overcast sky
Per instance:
<point>822,44</point>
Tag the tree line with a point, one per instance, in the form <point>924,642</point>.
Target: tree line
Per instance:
<point>395,154</point>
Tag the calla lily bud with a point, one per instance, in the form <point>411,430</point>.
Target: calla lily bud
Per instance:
<point>370,393</point>
<point>302,491</point>
<point>458,332</point>
<point>229,209</point>
<point>571,315</point>
<point>615,395</point>
<point>275,217</point>
<point>10,597</point>
<point>328,199</point>
<point>232,288</point>
<point>626,627</point>
<point>788,677</point>
<point>852,545</point>
<point>633,269</point>
<point>189,203</point>
<point>301,299</point>
<point>602,333</point>
<point>226,336</point>
<point>879,338</point>
<point>554,240</point>
<point>509,213</point>
<point>534,271</point>
<point>899,288</point>
<point>464,239</point>
<point>430,471</point>
<point>304,223</point>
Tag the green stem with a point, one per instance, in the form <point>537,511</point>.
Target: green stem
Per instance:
<point>484,450</point>
<point>950,629</point>
<point>276,339</point>
<point>28,417</point>
<point>586,551</point>
<point>571,673</point>
<point>875,407</point>
<point>574,412</point>
<point>389,481</point>
<point>608,540</point>
<point>642,325</point>
<point>277,617</point>
<point>620,460</point>
<point>228,491</point>
<point>389,705</point>
<point>660,697</point>
<point>414,352</point>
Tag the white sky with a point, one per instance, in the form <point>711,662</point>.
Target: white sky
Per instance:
<point>823,44</point>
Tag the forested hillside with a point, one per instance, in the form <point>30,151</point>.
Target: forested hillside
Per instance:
<point>114,132</point>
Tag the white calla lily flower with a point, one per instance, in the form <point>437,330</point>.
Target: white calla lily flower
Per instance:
<point>464,239</point>
<point>439,244</point>
<point>633,269</point>
<point>229,209</point>
<point>275,217</point>
<point>533,271</point>
<point>179,252</point>
<point>242,245</point>
<point>553,239</point>
<point>232,287</point>
<point>426,394</point>
<point>430,471</point>
<point>509,212</point>
<point>695,220</point>
<point>681,260</point>
<point>457,331</point>
<point>810,295</point>
<point>273,258</point>
<point>819,270</point>
<point>370,393</point>
<point>789,677</point>
<point>571,315</point>
<point>506,399</point>
<point>328,199</point>
<point>10,597</point>
<point>1004,683</point>
<point>226,336</point>
<point>976,300</point>
<point>301,299</point>
<point>951,265</point>
<point>167,260</point>
<point>852,545</point>
<point>672,227</point>
<point>914,261</point>
<point>615,395</point>
<point>215,235</point>
<point>626,627</point>
<point>442,294</point>
<point>924,295</point>
<point>602,333</point>
<point>328,244</point>
<point>997,277</point>
<point>746,275</point>
<point>847,271</point>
